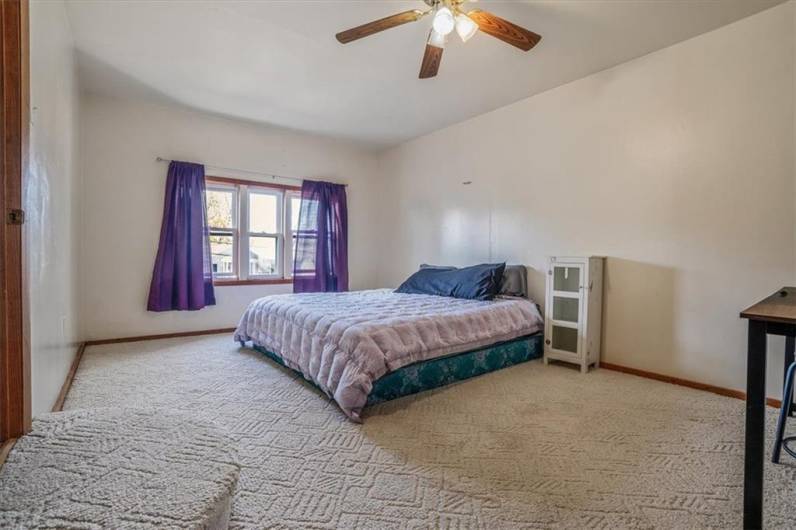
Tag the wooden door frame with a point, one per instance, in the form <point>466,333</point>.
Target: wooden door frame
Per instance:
<point>14,310</point>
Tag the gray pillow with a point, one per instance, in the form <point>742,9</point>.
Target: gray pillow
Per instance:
<point>514,282</point>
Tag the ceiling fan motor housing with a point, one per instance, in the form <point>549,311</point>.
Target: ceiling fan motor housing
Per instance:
<point>435,3</point>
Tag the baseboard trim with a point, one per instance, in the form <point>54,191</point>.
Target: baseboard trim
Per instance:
<point>5,448</point>
<point>140,338</point>
<point>722,391</point>
<point>70,376</point>
<point>729,392</point>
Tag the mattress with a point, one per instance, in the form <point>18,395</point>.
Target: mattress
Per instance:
<point>344,342</point>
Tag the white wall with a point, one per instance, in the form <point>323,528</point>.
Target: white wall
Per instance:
<point>51,202</point>
<point>678,166</point>
<point>123,205</point>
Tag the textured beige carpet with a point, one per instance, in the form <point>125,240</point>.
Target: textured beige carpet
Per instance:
<point>119,468</point>
<point>526,447</point>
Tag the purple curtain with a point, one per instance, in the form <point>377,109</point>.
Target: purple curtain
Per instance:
<point>321,249</point>
<point>182,278</point>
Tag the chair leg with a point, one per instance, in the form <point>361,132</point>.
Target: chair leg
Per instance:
<point>790,351</point>
<point>787,397</point>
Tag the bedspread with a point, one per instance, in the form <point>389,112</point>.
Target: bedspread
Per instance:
<point>343,342</point>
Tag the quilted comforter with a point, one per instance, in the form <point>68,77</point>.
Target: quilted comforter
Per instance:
<point>343,342</point>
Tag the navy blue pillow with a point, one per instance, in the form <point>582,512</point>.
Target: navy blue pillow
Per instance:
<point>479,282</point>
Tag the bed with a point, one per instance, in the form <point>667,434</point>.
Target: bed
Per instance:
<point>365,347</point>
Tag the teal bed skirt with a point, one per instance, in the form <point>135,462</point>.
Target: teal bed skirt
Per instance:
<point>434,373</point>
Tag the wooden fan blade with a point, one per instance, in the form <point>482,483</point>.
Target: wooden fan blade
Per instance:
<point>376,26</point>
<point>431,61</point>
<point>504,30</point>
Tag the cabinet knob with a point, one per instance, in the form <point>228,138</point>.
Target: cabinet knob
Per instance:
<point>547,341</point>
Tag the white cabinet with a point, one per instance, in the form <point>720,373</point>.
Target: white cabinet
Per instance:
<point>573,310</point>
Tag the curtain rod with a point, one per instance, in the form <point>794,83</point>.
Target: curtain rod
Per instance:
<point>260,173</point>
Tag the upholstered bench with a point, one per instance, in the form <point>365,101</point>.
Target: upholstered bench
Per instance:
<point>119,468</point>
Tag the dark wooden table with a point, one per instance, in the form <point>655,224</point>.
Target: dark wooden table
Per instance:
<point>775,315</point>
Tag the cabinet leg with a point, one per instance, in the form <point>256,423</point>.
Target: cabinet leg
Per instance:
<point>790,348</point>
<point>584,368</point>
<point>546,360</point>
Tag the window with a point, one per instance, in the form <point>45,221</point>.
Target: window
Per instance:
<point>252,230</point>
<point>306,254</point>
<point>222,215</point>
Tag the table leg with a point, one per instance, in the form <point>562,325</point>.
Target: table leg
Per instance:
<point>755,426</point>
<point>790,346</point>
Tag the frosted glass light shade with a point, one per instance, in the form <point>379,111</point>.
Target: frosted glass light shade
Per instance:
<point>443,21</point>
<point>465,27</point>
<point>435,39</point>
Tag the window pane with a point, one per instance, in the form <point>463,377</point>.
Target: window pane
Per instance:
<point>305,252</point>
<point>262,255</point>
<point>309,219</point>
<point>222,252</point>
<point>220,208</point>
<point>262,213</point>
<point>295,207</point>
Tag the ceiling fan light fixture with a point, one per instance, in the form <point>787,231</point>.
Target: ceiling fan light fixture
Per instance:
<point>446,16</point>
<point>443,21</point>
<point>436,39</point>
<point>465,27</point>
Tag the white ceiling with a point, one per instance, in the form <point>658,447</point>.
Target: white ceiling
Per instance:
<point>277,62</point>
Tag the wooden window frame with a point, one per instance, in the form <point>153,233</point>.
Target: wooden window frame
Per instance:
<point>15,389</point>
<point>229,232</point>
<point>243,233</point>
<point>279,235</point>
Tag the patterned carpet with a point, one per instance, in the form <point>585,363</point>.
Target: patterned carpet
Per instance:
<point>119,468</point>
<point>526,447</point>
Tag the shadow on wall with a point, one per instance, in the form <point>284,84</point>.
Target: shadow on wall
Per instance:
<point>536,285</point>
<point>639,315</point>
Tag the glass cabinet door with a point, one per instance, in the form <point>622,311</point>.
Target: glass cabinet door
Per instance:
<point>565,339</point>
<point>566,308</point>
<point>566,278</point>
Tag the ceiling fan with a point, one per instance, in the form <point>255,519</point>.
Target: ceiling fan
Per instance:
<point>448,15</point>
